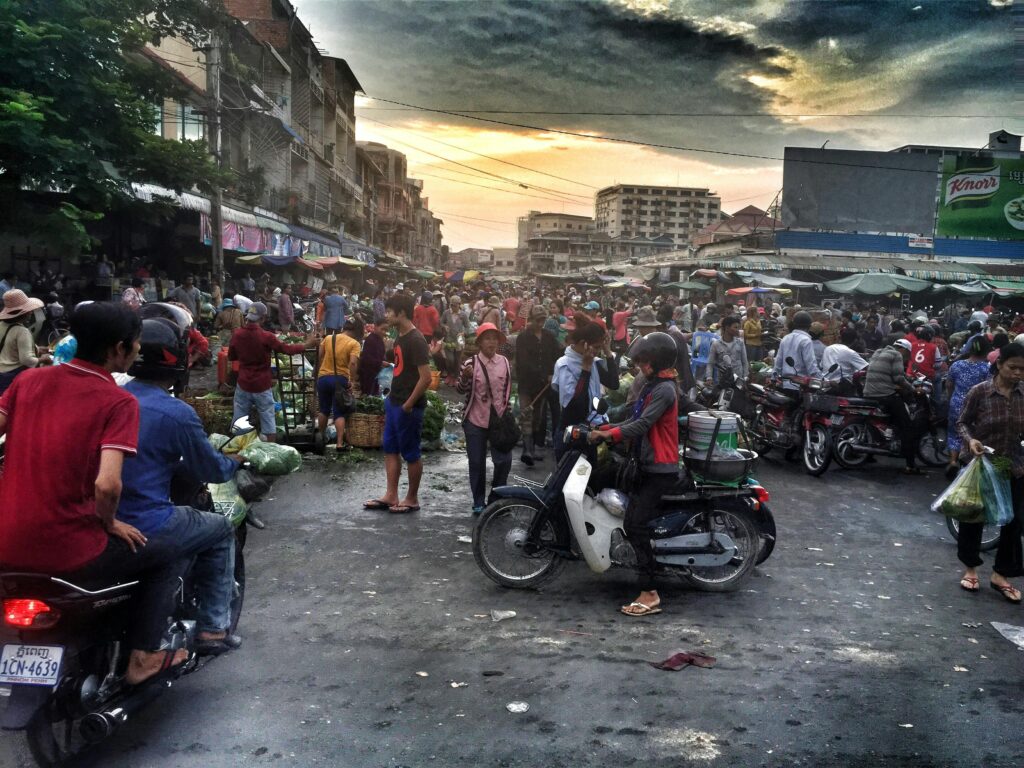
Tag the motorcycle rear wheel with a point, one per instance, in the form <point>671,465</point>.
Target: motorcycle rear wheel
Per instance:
<point>817,450</point>
<point>846,458</point>
<point>757,428</point>
<point>498,545</point>
<point>53,744</point>
<point>744,533</point>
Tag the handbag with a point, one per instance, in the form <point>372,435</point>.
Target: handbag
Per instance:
<point>502,431</point>
<point>344,400</point>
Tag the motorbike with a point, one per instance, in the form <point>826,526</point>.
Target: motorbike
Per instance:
<point>62,645</point>
<point>862,428</point>
<point>777,420</point>
<point>727,394</point>
<point>710,535</point>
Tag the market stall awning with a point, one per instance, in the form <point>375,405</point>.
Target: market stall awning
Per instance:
<point>312,264</point>
<point>877,284</point>
<point>687,285</point>
<point>755,289</point>
<point>973,288</point>
<point>774,281</point>
<point>320,244</point>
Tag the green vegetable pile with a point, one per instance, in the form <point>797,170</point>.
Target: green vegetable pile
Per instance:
<point>433,417</point>
<point>370,404</point>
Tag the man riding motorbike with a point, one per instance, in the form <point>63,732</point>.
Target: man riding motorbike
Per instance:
<point>653,430</point>
<point>797,345</point>
<point>172,441</point>
<point>886,382</point>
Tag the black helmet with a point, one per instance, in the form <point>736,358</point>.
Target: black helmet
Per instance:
<point>182,318</point>
<point>802,320</point>
<point>657,349</point>
<point>163,351</point>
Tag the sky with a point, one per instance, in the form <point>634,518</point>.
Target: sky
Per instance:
<point>751,77</point>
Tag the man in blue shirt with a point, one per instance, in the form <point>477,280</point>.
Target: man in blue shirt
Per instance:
<point>335,309</point>
<point>172,441</point>
<point>797,345</point>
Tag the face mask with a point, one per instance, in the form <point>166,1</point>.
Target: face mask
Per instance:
<point>856,317</point>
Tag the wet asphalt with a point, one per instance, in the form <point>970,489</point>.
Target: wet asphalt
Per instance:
<point>852,646</point>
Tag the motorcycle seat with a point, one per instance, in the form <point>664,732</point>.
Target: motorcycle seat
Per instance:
<point>777,398</point>
<point>862,402</point>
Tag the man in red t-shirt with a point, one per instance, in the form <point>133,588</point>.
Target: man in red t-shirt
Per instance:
<point>620,321</point>
<point>425,316</point>
<point>251,346</point>
<point>511,307</point>
<point>76,419</point>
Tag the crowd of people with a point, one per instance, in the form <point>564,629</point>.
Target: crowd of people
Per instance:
<point>543,352</point>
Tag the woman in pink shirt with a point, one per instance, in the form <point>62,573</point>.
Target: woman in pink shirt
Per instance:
<point>620,319</point>
<point>486,379</point>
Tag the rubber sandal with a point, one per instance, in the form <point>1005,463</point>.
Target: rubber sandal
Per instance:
<point>969,584</point>
<point>401,509</point>
<point>217,647</point>
<point>1007,590</point>
<point>917,471</point>
<point>377,504</point>
<point>645,610</point>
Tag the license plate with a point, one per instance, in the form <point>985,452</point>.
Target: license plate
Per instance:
<point>31,664</point>
<point>837,420</point>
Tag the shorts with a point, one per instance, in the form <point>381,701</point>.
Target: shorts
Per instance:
<point>402,430</point>
<point>325,386</point>
<point>263,402</point>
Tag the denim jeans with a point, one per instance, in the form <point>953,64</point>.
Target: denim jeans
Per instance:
<point>263,402</point>
<point>476,449</point>
<point>210,539</point>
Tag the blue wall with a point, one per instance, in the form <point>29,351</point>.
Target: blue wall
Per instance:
<point>944,246</point>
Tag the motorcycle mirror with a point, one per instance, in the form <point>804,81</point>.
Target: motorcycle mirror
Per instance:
<point>790,362</point>
<point>600,405</point>
<point>834,368</point>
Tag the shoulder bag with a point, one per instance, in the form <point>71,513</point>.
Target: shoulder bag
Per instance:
<point>503,431</point>
<point>344,400</point>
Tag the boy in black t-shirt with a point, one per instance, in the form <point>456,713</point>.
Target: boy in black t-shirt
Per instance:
<point>403,408</point>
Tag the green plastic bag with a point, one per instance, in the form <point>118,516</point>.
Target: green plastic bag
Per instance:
<point>963,498</point>
<point>271,458</point>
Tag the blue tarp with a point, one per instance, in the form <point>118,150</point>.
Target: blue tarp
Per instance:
<point>318,244</point>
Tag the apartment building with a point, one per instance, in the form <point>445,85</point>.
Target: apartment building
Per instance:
<point>626,211</point>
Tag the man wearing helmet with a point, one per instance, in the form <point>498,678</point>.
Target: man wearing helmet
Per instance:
<point>887,383</point>
<point>798,345</point>
<point>172,441</point>
<point>653,431</point>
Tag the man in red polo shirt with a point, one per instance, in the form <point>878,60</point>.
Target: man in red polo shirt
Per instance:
<point>251,346</point>
<point>75,419</point>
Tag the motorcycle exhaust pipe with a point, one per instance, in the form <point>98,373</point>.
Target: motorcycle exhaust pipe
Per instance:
<point>97,726</point>
<point>857,448</point>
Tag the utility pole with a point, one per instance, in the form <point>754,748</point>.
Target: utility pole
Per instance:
<point>213,64</point>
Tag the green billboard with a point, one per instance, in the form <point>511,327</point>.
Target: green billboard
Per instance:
<point>981,197</point>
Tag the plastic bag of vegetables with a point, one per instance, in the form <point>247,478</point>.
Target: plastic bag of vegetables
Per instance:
<point>271,458</point>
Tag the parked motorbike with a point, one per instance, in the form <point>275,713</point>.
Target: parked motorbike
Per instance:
<point>728,392</point>
<point>64,653</point>
<point>863,428</point>
<point>710,535</point>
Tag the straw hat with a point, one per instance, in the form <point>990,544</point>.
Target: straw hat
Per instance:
<point>645,318</point>
<point>17,304</point>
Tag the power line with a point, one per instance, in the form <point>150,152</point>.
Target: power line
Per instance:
<point>695,114</point>
<point>474,218</point>
<point>498,189</point>
<point>636,142</point>
<point>488,157</point>
<point>488,173</point>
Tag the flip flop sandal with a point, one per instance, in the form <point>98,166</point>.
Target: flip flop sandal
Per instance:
<point>401,509</point>
<point>1007,590</point>
<point>969,584</point>
<point>642,610</point>
<point>377,504</point>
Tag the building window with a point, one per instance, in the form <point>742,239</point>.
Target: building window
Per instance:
<point>190,125</point>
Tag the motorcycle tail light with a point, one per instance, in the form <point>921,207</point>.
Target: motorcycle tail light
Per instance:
<point>761,494</point>
<point>29,614</point>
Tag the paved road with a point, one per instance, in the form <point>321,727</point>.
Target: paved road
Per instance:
<point>847,636</point>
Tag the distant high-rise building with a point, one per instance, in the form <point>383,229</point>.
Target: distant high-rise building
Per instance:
<point>629,210</point>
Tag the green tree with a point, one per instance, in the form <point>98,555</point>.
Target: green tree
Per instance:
<point>78,104</point>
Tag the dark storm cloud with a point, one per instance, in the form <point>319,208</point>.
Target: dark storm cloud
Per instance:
<point>583,56</point>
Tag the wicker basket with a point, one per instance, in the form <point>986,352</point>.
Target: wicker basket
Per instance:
<point>215,413</point>
<point>364,430</point>
<point>435,380</point>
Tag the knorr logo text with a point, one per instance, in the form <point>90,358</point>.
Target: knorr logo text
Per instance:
<point>972,185</point>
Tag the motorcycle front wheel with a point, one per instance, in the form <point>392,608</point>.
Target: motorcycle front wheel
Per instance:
<point>744,534</point>
<point>845,457</point>
<point>758,428</point>
<point>817,450</point>
<point>932,450</point>
<point>989,534</point>
<point>501,549</point>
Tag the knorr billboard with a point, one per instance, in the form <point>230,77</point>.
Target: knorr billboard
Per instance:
<point>982,197</point>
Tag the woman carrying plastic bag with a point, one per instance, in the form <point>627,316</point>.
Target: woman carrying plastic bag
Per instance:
<point>993,416</point>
